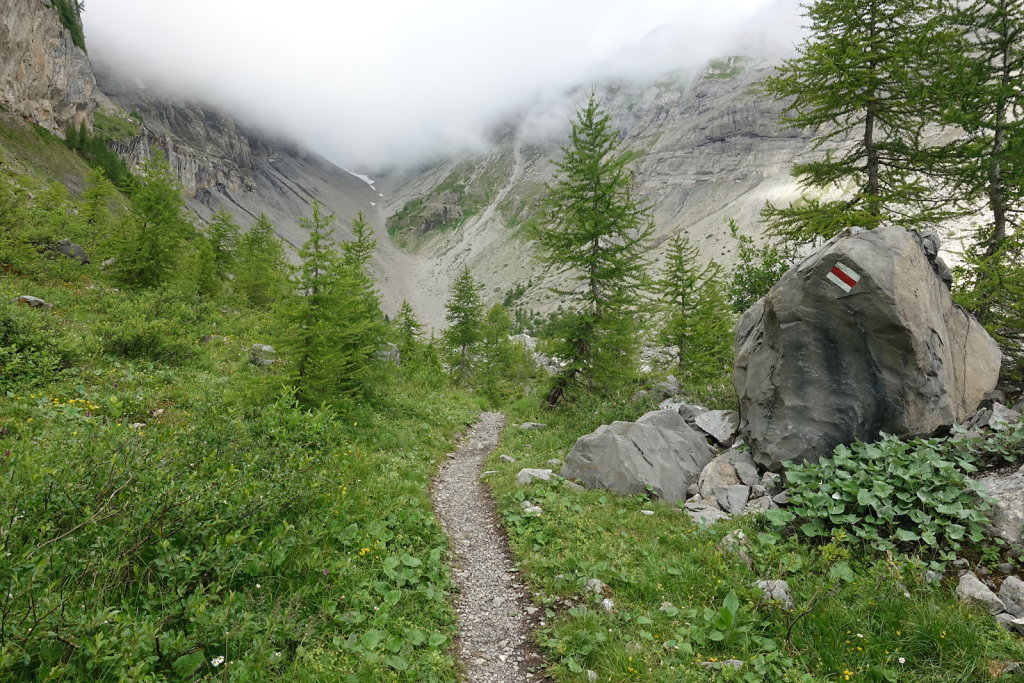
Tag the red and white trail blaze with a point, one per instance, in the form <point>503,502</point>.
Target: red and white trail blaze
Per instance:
<point>843,276</point>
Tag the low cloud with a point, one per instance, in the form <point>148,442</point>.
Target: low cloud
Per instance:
<point>398,81</point>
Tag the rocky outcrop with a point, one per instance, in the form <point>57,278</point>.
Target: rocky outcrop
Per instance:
<point>858,339</point>
<point>44,77</point>
<point>442,212</point>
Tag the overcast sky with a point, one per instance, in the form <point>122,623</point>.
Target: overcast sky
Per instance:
<point>376,83</point>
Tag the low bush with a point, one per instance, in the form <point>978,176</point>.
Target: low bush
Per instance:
<point>894,494</point>
<point>156,325</point>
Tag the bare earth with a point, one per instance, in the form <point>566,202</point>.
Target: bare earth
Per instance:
<point>495,632</point>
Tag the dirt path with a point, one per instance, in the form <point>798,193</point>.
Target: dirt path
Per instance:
<point>495,642</point>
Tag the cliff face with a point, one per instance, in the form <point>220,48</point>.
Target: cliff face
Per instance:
<point>706,148</point>
<point>44,77</point>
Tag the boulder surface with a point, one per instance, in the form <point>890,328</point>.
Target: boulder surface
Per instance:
<point>631,458</point>
<point>860,338</point>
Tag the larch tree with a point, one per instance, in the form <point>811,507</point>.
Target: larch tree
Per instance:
<point>593,234</point>
<point>464,314</point>
<point>859,84</point>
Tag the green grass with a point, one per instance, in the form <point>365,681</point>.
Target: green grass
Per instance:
<point>25,148</point>
<point>856,612</point>
<point>110,125</point>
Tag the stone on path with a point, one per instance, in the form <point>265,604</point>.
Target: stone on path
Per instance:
<point>860,338</point>
<point>528,475</point>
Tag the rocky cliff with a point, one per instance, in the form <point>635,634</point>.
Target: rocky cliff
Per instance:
<point>44,77</point>
<point>706,146</point>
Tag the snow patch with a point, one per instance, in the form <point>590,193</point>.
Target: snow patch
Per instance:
<point>365,178</point>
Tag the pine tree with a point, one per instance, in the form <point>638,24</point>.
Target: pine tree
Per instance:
<point>96,198</point>
<point>359,250</point>
<point>692,305</point>
<point>223,234</point>
<point>157,230</point>
<point>337,324</point>
<point>261,270</point>
<point>408,329</point>
<point>464,315</point>
<point>756,271</point>
<point>859,78</point>
<point>593,233</point>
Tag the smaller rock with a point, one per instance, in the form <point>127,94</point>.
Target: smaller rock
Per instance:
<point>506,458</point>
<point>972,591</point>
<point>591,675</point>
<point>598,587</point>
<point>1012,595</point>
<point>647,512</point>
<point>32,302</point>
<point>762,504</point>
<point>529,475</point>
<point>487,473</point>
<point>1005,567</point>
<point>737,543</point>
<point>532,425</point>
<point>721,425</point>
<point>1005,620</point>
<point>1002,417</point>
<point>533,511</point>
<point>932,576</point>
<point>778,591</point>
<point>108,262</point>
<point>262,355</point>
<point>705,515</point>
<point>758,491</point>
<point>694,489</point>
<point>725,663</point>
<point>666,607</point>
<point>960,563</point>
<point>608,605</point>
<point>781,498</point>
<point>72,250</point>
<point>668,388</point>
<point>138,425</point>
<point>690,412</point>
<point>554,462</point>
<point>772,481</point>
<point>574,486</point>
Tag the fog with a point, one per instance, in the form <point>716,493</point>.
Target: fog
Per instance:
<point>398,81</point>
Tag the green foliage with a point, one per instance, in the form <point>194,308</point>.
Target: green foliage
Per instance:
<point>697,325</point>
<point>464,313</point>
<point>156,232</point>
<point>69,12</point>
<point>223,235</point>
<point>408,330</point>
<point>335,329</point>
<point>506,368</point>
<point>595,230</point>
<point>261,270</point>
<point>894,494</point>
<point>157,325</point>
<point>860,75</point>
<point>757,270</point>
<point>93,148</point>
<point>33,349</point>
<point>110,125</point>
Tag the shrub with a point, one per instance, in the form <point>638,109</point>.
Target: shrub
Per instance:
<point>891,495</point>
<point>32,350</point>
<point>150,326</point>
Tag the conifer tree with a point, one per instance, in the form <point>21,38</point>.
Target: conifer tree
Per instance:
<point>464,315</point>
<point>261,269</point>
<point>223,234</point>
<point>408,328</point>
<point>859,79</point>
<point>359,250</point>
<point>157,230</point>
<point>756,271</point>
<point>696,321</point>
<point>96,198</point>
<point>593,234</point>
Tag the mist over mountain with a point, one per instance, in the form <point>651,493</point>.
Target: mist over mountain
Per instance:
<point>401,83</point>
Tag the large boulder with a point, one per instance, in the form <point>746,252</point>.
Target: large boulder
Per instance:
<point>1006,491</point>
<point>632,458</point>
<point>862,337</point>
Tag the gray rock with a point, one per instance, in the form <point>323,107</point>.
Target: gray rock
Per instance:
<point>777,590</point>
<point>1012,595</point>
<point>668,388</point>
<point>704,514</point>
<point>506,458</point>
<point>554,462</point>
<point>1005,619</point>
<point>529,475</point>
<point>972,591</point>
<point>1019,405</point>
<point>1003,417</point>
<point>819,364</point>
<point>108,262</point>
<point>598,587</point>
<point>736,664</point>
<point>772,481</point>
<point>32,302</point>
<point>736,542</point>
<point>722,425</point>
<point>733,499</point>
<point>262,355</point>
<point>690,412</point>
<point>608,605</point>
<point>533,511</point>
<point>932,576</point>
<point>1006,518</point>
<point>532,425</point>
<point>72,250</point>
<point>390,353</point>
<point>631,458</point>
<point>762,504</point>
<point>667,419</point>
<point>781,498</point>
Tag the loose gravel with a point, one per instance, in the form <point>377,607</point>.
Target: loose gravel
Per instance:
<point>495,613</point>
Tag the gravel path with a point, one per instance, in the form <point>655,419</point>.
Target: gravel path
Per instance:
<point>495,623</point>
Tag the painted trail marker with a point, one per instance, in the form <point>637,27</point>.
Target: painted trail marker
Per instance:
<point>843,276</point>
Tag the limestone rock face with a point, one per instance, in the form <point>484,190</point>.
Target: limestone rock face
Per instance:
<point>860,338</point>
<point>631,458</point>
<point>43,76</point>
